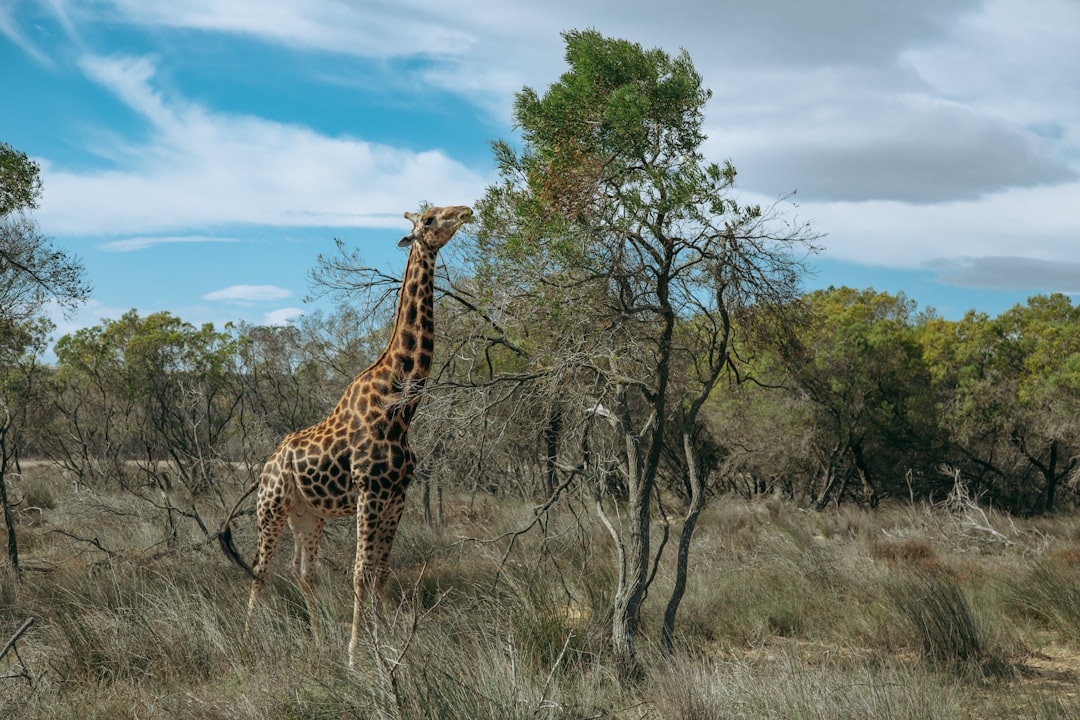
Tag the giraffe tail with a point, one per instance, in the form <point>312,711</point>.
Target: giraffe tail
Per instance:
<point>225,539</point>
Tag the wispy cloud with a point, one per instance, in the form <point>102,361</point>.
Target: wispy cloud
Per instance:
<point>202,168</point>
<point>886,146</point>
<point>246,294</point>
<point>10,29</point>
<point>933,128</point>
<point>394,29</point>
<point>282,316</point>
<point>144,242</point>
<point>1033,222</point>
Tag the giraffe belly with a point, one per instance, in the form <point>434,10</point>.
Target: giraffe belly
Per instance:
<point>337,507</point>
<point>327,487</point>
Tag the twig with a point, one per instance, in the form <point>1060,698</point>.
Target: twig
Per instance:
<point>388,666</point>
<point>967,512</point>
<point>542,703</point>
<point>14,638</point>
<point>89,541</point>
<point>10,647</point>
<point>538,516</point>
<point>161,554</point>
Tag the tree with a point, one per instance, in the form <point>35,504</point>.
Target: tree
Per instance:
<point>20,181</point>
<point>1047,428</point>
<point>1009,392</point>
<point>623,274</point>
<point>859,363</point>
<point>154,388</point>
<point>32,271</point>
<point>32,274</point>
<point>20,379</point>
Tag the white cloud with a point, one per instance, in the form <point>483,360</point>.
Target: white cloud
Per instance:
<point>144,242</point>
<point>1011,273</point>
<point>906,147</point>
<point>245,294</point>
<point>282,316</point>
<point>1037,223</point>
<point>917,131</point>
<point>202,168</point>
<point>1007,59</point>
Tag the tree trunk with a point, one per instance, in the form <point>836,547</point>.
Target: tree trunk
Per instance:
<point>697,501</point>
<point>12,539</point>
<point>425,497</point>
<point>864,475</point>
<point>631,543</point>
<point>633,567</point>
<point>551,449</point>
<point>829,471</point>
<point>1051,478</point>
<point>9,520</point>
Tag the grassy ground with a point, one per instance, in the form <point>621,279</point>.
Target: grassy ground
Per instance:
<point>900,613</point>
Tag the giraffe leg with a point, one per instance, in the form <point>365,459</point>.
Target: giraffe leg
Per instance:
<point>268,539</point>
<point>379,557</point>
<point>376,523</point>
<point>366,518</point>
<point>307,529</point>
<point>271,514</point>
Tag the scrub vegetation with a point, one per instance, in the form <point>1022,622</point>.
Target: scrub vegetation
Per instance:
<point>655,478</point>
<point>906,611</point>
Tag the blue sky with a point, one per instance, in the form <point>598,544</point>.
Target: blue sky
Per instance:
<point>199,154</point>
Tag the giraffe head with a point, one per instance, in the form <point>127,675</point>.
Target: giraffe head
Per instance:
<point>434,227</point>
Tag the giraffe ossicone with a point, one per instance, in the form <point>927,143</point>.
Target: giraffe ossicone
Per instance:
<point>357,461</point>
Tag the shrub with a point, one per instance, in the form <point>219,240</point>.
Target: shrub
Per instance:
<point>941,620</point>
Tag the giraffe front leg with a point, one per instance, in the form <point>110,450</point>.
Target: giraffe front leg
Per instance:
<point>376,522</point>
<point>363,585</point>
<point>385,531</point>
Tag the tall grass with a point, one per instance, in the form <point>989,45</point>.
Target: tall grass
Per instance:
<point>788,614</point>
<point>1050,593</point>
<point>941,620</point>
<point>792,684</point>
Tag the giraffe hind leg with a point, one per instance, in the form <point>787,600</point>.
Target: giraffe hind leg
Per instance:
<point>307,530</point>
<point>271,517</point>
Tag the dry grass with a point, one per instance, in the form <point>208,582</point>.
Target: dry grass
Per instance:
<point>902,613</point>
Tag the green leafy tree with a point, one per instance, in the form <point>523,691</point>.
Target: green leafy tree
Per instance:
<point>32,271</point>
<point>21,378</point>
<point>1009,391</point>
<point>612,260</point>
<point>860,364</point>
<point>152,389</point>
<point>20,181</point>
<point>32,274</point>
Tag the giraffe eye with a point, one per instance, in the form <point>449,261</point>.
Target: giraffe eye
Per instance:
<point>430,221</point>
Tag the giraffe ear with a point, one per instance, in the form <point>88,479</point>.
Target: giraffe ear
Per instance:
<point>411,216</point>
<point>405,241</point>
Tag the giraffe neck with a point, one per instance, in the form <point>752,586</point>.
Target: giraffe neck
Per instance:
<point>412,341</point>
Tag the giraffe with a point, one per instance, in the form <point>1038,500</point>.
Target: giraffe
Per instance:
<point>357,461</point>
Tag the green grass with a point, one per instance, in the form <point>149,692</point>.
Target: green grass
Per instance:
<point>788,614</point>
